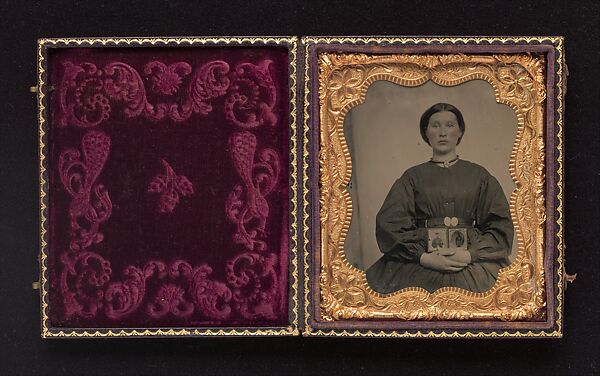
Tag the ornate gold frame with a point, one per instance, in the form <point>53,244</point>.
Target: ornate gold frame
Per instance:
<point>519,82</point>
<point>43,44</point>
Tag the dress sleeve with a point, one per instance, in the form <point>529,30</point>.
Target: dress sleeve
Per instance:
<point>492,240</point>
<point>395,228</point>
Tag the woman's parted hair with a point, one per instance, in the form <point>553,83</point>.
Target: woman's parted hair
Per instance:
<point>440,107</point>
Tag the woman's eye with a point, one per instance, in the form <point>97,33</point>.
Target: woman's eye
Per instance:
<point>450,124</point>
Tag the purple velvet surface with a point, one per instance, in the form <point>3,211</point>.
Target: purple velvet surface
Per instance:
<point>199,228</point>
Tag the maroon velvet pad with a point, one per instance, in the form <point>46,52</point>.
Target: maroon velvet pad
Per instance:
<point>168,187</point>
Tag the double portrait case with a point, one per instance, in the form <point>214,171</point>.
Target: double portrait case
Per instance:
<point>246,186</point>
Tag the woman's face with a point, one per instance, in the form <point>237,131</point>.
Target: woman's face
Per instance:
<point>443,132</point>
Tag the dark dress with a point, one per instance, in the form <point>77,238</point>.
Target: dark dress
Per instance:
<point>464,190</point>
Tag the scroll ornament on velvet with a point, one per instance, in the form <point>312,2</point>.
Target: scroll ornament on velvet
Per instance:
<point>89,95</point>
<point>90,204</point>
<point>259,180</point>
<point>87,98</point>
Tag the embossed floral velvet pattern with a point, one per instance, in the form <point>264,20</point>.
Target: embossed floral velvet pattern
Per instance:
<point>168,187</point>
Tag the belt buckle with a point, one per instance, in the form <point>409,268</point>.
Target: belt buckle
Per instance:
<point>450,222</point>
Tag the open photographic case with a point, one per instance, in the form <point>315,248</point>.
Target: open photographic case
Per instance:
<point>246,186</point>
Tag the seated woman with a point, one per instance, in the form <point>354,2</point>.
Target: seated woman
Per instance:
<point>442,196</point>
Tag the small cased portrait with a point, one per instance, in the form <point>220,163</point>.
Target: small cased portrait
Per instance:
<point>457,238</point>
<point>437,239</point>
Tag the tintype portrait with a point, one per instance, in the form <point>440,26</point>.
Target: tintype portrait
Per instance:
<point>444,220</point>
<point>431,171</point>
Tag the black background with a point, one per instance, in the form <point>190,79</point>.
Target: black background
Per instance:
<point>23,352</point>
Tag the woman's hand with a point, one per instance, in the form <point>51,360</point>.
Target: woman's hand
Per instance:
<point>443,260</point>
<point>460,255</point>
